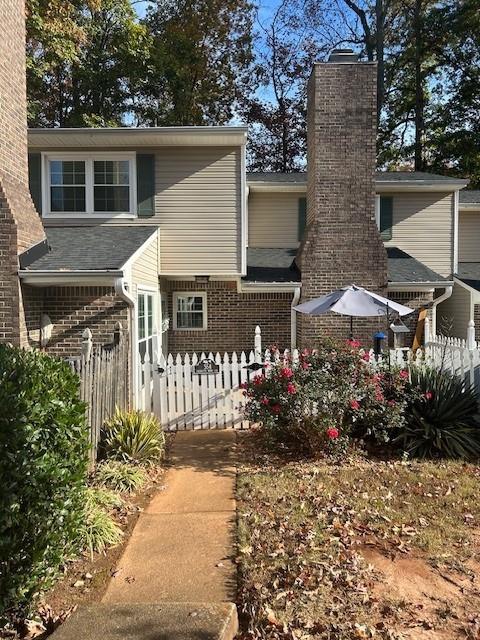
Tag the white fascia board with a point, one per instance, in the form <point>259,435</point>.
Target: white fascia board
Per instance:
<point>418,186</point>
<point>133,137</point>
<point>69,278</point>
<point>277,187</point>
<point>243,211</point>
<point>418,286</point>
<point>268,287</point>
<point>128,264</point>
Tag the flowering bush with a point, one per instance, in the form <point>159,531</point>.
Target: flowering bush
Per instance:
<point>317,402</point>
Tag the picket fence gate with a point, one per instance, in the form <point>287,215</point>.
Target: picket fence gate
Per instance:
<point>204,391</point>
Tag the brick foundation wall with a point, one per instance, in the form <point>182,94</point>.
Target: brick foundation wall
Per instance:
<point>74,309</point>
<point>342,244</point>
<point>232,318</point>
<point>20,225</point>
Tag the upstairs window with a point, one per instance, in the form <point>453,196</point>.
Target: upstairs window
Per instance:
<point>100,185</point>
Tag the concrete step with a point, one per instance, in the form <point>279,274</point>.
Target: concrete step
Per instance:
<point>165,621</point>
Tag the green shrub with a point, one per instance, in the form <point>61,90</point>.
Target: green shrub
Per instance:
<point>133,436</point>
<point>105,498</point>
<point>120,476</point>
<point>99,530</point>
<point>318,402</point>
<point>43,463</point>
<point>441,417</point>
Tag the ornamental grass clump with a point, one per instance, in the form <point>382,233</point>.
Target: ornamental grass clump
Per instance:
<point>43,467</point>
<point>120,476</point>
<point>133,436</point>
<point>316,403</point>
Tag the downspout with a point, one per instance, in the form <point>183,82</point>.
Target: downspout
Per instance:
<point>436,302</point>
<point>120,287</point>
<point>293,318</point>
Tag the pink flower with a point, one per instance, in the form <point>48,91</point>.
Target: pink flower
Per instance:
<point>333,433</point>
<point>354,404</point>
<point>305,365</point>
<point>379,396</point>
<point>305,353</point>
<point>366,357</point>
<point>404,374</point>
<point>291,388</point>
<point>428,395</point>
<point>378,377</point>
<point>258,379</point>
<point>391,403</point>
<point>265,400</point>
<point>244,385</point>
<point>276,409</point>
<point>286,372</point>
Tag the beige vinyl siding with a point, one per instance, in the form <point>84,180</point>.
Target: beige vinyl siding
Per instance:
<point>454,313</point>
<point>423,227</point>
<point>469,236</point>
<point>145,268</point>
<point>198,207</point>
<point>273,219</point>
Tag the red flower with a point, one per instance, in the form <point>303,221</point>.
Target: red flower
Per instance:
<point>391,403</point>
<point>276,408</point>
<point>355,344</point>
<point>244,385</point>
<point>366,357</point>
<point>333,433</point>
<point>265,400</point>
<point>258,379</point>
<point>286,372</point>
<point>404,374</point>
<point>428,395</point>
<point>305,365</point>
<point>305,353</point>
<point>354,404</point>
<point>379,396</point>
<point>291,388</point>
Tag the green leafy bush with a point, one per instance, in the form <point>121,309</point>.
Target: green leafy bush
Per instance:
<point>120,476</point>
<point>43,463</point>
<point>99,530</point>
<point>440,417</point>
<point>133,436</point>
<point>317,402</point>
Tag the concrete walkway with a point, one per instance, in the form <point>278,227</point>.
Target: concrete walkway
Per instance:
<point>182,547</point>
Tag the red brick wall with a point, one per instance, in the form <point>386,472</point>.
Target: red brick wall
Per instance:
<point>232,318</point>
<point>342,244</point>
<point>20,225</point>
<point>73,309</point>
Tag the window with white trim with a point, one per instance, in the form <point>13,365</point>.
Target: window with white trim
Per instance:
<point>101,185</point>
<point>190,311</point>
<point>145,323</point>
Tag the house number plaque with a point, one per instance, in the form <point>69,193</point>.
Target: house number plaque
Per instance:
<point>206,367</point>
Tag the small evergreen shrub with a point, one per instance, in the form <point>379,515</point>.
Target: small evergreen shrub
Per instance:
<point>43,464</point>
<point>133,436</point>
<point>440,417</point>
<point>120,476</point>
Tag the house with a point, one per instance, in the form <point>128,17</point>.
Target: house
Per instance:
<point>464,304</point>
<point>163,230</point>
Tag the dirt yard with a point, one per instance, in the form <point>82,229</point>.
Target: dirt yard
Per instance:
<point>363,549</point>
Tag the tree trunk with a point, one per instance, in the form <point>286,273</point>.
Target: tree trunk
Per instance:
<point>380,41</point>
<point>419,90</point>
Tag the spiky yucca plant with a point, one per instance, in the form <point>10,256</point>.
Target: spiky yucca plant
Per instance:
<point>133,436</point>
<point>441,417</point>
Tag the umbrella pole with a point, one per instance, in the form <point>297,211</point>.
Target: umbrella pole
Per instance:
<point>351,327</point>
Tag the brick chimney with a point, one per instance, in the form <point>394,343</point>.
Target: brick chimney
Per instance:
<point>20,224</point>
<point>342,244</point>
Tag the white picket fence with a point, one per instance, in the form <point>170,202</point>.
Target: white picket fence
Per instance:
<point>203,391</point>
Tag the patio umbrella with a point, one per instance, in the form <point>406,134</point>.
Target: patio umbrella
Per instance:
<point>352,301</point>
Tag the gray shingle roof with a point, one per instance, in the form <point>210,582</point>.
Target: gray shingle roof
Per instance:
<point>271,265</point>
<point>91,248</point>
<point>380,176</point>
<point>402,267</point>
<point>469,196</point>
<point>469,272</point>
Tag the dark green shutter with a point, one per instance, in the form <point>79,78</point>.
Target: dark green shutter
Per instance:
<point>145,184</point>
<point>302,217</point>
<point>386,217</point>
<point>35,179</point>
